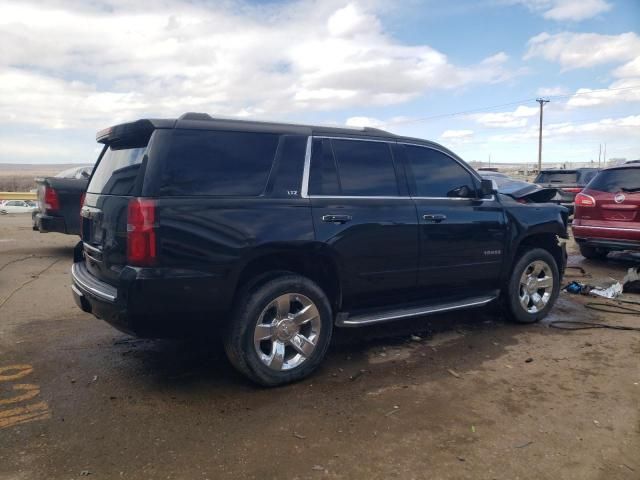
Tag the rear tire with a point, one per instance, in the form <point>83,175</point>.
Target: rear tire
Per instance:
<point>280,330</point>
<point>533,286</point>
<point>593,253</point>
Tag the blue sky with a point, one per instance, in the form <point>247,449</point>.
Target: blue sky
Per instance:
<point>70,68</point>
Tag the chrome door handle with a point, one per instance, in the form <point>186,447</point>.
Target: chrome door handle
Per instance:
<point>434,217</point>
<point>336,218</point>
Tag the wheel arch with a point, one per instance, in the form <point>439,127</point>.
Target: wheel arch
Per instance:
<point>547,241</point>
<point>312,261</point>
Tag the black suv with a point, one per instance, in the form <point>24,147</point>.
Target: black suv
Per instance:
<point>283,232</point>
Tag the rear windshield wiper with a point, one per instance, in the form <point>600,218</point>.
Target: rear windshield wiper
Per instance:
<point>636,189</point>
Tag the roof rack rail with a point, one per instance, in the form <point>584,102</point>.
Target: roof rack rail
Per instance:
<point>198,116</point>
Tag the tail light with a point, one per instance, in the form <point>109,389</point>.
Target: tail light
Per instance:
<point>572,189</point>
<point>84,194</point>
<point>584,200</point>
<point>51,200</point>
<point>141,233</point>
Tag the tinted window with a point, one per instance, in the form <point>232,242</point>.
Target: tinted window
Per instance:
<point>218,163</point>
<point>436,174</point>
<point>586,177</point>
<point>323,176</point>
<point>365,168</point>
<point>557,177</point>
<point>614,181</point>
<point>117,171</point>
<point>290,164</point>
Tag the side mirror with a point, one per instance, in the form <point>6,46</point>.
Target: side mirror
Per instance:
<point>487,187</point>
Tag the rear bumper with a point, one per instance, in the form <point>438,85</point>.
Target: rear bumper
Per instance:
<point>148,304</point>
<point>612,238</point>
<point>50,223</point>
<point>99,298</point>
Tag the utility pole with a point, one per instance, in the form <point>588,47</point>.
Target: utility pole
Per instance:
<point>604,155</point>
<point>599,154</point>
<point>541,101</point>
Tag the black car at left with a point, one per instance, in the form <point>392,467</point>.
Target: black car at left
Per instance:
<point>59,199</point>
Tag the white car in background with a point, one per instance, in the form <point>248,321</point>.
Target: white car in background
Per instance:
<point>17,206</point>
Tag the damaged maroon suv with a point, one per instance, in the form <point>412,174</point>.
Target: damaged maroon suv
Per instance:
<point>607,215</point>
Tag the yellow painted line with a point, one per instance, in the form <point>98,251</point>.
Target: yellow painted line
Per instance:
<point>18,196</point>
<point>30,413</point>
<point>39,407</point>
<point>23,371</point>
<point>32,391</point>
<point>11,417</point>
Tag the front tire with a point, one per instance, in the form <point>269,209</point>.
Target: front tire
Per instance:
<point>280,330</point>
<point>533,286</point>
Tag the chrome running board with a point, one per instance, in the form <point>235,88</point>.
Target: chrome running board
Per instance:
<point>346,320</point>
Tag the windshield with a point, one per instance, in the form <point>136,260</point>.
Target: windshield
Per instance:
<point>117,171</point>
<point>614,181</point>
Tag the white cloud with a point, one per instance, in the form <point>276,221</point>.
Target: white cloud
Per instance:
<point>629,70</point>
<point>363,122</point>
<point>456,136</point>
<point>349,21</point>
<point>518,118</point>
<point>567,10</point>
<point>620,128</point>
<point>581,50</point>
<point>620,91</point>
<point>77,66</point>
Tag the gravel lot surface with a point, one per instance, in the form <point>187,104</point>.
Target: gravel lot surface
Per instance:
<point>457,396</point>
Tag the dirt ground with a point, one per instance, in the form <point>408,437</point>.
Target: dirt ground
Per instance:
<point>473,398</point>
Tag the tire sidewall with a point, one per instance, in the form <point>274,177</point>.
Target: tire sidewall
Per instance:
<point>517,313</point>
<point>249,313</point>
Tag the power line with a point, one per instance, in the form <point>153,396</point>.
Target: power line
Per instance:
<point>492,107</point>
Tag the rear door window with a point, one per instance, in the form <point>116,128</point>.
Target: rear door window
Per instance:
<point>436,174</point>
<point>618,180</point>
<point>117,171</point>
<point>352,168</point>
<point>218,163</point>
<point>365,168</point>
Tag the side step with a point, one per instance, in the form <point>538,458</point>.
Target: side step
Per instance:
<point>345,320</point>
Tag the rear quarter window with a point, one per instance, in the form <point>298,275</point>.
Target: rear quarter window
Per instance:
<point>614,181</point>
<point>218,163</point>
<point>117,171</point>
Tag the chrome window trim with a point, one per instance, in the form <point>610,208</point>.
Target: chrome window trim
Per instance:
<point>354,138</point>
<point>304,190</point>
<point>360,197</point>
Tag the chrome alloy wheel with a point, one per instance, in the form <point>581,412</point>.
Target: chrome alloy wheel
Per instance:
<point>287,331</point>
<point>536,286</point>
